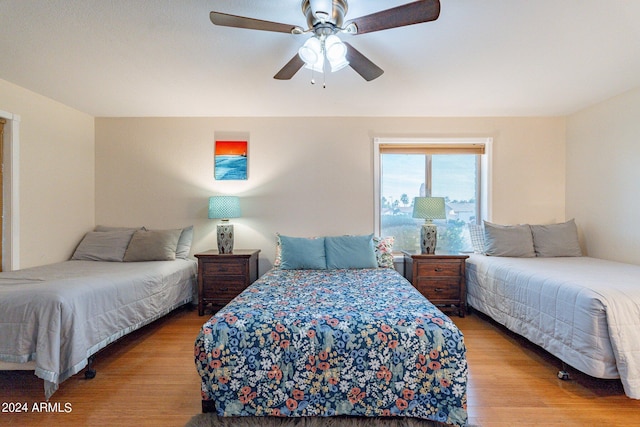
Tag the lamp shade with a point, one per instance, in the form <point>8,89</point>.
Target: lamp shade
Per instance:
<point>429,208</point>
<point>224,207</point>
<point>336,53</point>
<point>312,54</point>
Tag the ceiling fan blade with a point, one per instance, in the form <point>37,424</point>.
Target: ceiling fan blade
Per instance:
<point>407,14</point>
<point>290,69</point>
<point>362,65</point>
<point>219,18</point>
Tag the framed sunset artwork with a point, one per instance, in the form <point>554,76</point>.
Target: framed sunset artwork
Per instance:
<point>230,160</point>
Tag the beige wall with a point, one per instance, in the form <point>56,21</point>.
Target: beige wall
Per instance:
<point>56,175</point>
<point>603,149</point>
<point>307,176</point>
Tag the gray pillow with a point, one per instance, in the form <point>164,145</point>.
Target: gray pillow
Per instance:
<point>153,245</point>
<point>508,240</point>
<point>103,245</point>
<point>109,228</point>
<point>556,239</point>
<point>184,243</point>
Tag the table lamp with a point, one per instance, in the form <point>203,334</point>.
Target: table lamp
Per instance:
<point>429,208</point>
<point>224,207</point>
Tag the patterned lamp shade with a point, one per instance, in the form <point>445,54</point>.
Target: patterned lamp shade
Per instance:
<point>224,207</point>
<point>429,208</point>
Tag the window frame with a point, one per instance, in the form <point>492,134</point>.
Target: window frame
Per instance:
<point>484,182</point>
<point>10,192</point>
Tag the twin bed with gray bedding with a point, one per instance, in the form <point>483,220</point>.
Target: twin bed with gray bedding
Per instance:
<point>59,315</point>
<point>583,310</point>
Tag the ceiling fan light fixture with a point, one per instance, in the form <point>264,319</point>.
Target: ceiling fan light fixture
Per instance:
<point>338,64</point>
<point>312,54</point>
<point>311,51</point>
<point>318,67</point>
<point>334,48</point>
<point>336,52</point>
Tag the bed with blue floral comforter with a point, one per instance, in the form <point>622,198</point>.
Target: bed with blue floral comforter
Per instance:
<point>358,342</point>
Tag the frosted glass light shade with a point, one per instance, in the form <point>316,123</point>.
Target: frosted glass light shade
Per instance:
<point>338,64</point>
<point>310,51</point>
<point>315,50</point>
<point>334,48</point>
<point>336,53</point>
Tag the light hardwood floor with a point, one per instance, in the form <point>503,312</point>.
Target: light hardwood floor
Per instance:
<point>149,378</point>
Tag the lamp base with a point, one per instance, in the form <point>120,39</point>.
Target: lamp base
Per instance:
<point>225,238</point>
<point>428,238</point>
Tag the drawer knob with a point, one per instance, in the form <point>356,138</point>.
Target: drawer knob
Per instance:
<point>223,289</point>
<point>438,269</point>
<point>438,290</point>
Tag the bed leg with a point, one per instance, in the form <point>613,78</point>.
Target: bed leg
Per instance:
<point>90,373</point>
<point>564,373</point>
<point>208,406</point>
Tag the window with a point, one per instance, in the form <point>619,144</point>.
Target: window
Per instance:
<point>453,169</point>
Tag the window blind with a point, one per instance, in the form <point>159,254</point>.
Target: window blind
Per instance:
<point>444,148</point>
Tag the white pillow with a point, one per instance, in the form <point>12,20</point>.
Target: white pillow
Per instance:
<point>508,240</point>
<point>476,232</point>
<point>555,240</point>
<point>184,243</point>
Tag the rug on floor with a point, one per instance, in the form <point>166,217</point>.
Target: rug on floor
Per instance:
<point>212,420</point>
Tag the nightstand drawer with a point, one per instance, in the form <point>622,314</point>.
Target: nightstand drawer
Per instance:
<point>440,268</point>
<point>225,286</point>
<point>439,289</point>
<point>223,268</point>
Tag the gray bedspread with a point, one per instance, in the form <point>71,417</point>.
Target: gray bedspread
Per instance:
<point>60,314</point>
<point>585,311</point>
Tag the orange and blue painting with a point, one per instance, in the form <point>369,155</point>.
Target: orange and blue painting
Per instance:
<point>230,160</point>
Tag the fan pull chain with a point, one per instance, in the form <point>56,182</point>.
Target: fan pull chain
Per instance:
<point>324,79</point>
<point>324,66</point>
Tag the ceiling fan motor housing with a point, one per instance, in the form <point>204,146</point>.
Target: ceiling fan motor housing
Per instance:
<point>327,19</point>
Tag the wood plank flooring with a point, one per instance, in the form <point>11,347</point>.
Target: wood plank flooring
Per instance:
<point>149,378</point>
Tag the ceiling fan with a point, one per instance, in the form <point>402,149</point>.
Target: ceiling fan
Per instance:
<point>325,19</point>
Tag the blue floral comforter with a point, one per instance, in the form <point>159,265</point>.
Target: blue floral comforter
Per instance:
<point>333,342</point>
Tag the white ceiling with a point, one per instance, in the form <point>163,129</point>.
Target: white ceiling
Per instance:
<point>165,58</point>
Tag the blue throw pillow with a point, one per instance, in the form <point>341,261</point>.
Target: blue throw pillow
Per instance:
<point>350,252</point>
<point>300,253</point>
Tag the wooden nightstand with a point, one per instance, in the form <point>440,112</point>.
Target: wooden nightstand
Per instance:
<point>440,278</point>
<point>223,276</point>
